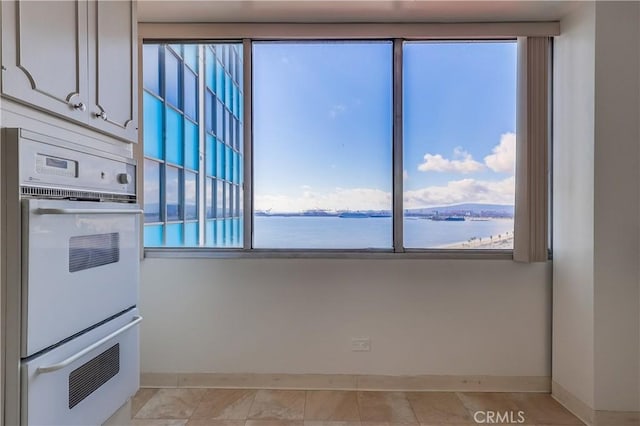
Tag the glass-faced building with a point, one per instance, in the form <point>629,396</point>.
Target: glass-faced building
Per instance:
<point>193,145</point>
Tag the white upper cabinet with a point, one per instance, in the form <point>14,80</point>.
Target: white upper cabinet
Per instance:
<point>113,65</point>
<point>44,55</point>
<point>75,59</point>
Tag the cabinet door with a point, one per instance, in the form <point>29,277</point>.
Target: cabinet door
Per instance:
<point>44,55</point>
<point>113,73</point>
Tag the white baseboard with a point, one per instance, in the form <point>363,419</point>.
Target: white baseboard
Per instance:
<point>590,416</point>
<point>349,382</point>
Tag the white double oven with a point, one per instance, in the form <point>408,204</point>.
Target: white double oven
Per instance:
<point>72,255</point>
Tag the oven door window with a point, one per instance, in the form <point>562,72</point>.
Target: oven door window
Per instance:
<point>91,251</point>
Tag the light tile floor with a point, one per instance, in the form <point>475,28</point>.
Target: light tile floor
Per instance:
<point>244,407</point>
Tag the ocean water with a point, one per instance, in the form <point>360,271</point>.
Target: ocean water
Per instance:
<point>357,233</point>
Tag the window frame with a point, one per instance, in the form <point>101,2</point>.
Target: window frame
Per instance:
<point>397,34</point>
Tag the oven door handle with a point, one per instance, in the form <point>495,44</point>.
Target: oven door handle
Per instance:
<point>62,364</point>
<point>43,211</point>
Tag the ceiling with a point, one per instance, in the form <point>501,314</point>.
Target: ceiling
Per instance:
<point>351,11</point>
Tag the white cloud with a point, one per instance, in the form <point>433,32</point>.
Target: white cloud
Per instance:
<point>462,191</point>
<point>338,199</point>
<point>454,192</point>
<point>503,157</point>
<point>463,163</point>
<point>405,175</point>
<point>337,110</point>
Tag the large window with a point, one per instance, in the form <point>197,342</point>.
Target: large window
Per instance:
<point>322,145</point>
<point>193,145</point>
<point>381,145</point>
<point>459,144</point>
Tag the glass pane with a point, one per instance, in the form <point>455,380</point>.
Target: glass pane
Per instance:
<point>174,137</point>
<point>208,99</point>
<point>209,197</point>
<point>228,162</point>
<point>190,195</point>
<point>174,235</point>
<point>190,94</point>
<point>171,79</point>
<point>191,56</point>
<point>172,188</point>
<point>191,234</point>
<point>210,70</point>
<point>219,198</point>
<point>191,145</point>
<point>153,126</point>
<point>151,191</point>
<point>219,80</point>
<point>153,235</point>
<point>220,233</point>
<point>459,144</point>
<point>151,68</point>
<point>322,144</point>
<point>219,117</point>
<point>211,155</point>
<point>210,233</point>
<point>220,160</point>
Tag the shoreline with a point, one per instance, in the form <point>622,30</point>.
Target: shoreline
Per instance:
<point>503,241</point>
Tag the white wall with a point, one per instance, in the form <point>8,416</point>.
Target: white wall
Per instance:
<point>453,317</point>
<point>616,203</point>
<point>573,221</point>
<point>596,206</point>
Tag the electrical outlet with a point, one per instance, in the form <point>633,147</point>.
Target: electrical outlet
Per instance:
<point>360,344</point>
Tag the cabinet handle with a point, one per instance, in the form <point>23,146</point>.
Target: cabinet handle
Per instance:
<point>79,106</point>
<point>102,115</point>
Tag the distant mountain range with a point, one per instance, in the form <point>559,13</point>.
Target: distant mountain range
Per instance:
<point>457,210</point>
<point>463,210</point>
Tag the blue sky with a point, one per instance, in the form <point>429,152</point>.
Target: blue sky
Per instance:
<point>323,129</point>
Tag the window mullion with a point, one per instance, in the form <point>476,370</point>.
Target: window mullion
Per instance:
<point>201,148</point>
<point>398,245</point>
<point>247,184</point>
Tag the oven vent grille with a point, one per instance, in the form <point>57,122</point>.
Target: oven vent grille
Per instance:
<point>88,378</point>
<point>91,251</point>
<point>40,192</point>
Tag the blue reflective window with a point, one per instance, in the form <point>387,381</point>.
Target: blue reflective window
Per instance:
<point>220,159</point>
<point>153,126</point>
<point>190,94</point>
<point>210,233</point>
<point>151,191</point>
<point>191,56</point>
<point>172,79</point>
<point>172,193</point>
<point>174,138</point>
<point>227,91</point>
<point>220,81</point>
<point>208,116</point>
<point>190,196</point>
<point>191,234</point>
<point>192,154</point>
<point>219,117</point>
<point>210,69</point>
<point>151,68</point>
<point>153,235</point>
<point>209,197</point>
<point>220,233</point>
<point>228,162</point>
<point>172,144</point>
<point>219,198</point>
<point>174,233</point>
<point>211,155</point>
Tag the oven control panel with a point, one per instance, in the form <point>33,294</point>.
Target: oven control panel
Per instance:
<point>75,168</point>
